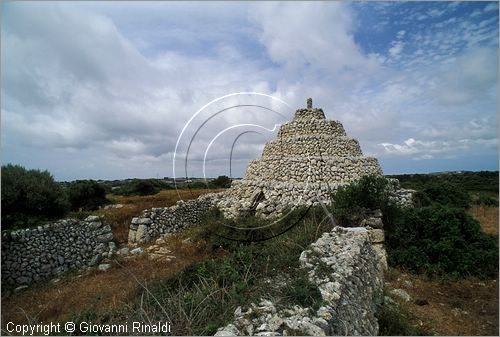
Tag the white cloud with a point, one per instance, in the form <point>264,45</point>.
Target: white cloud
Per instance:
<point>90,88</point>
<point>492,6</point>
<point>311,35</point>
<point>420,149</point>
<point>477,12</point>
<point>396,49</point>
<point>435,12</point>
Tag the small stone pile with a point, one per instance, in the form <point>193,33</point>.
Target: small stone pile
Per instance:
<point>309,159</point>
<point>34,254</point>
<point>349,274</point>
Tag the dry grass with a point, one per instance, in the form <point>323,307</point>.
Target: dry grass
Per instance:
<point>487,216</point>
<point>119,218</point>
<point>465,307</point>
<point>98,291</point>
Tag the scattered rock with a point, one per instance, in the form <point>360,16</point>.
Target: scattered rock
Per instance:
<point>373,222</point>
<point>401,294</point>
<point>228,330</point>
<point>137,251</point>
<point>408,283</point>
<point>104,266</point>
<point>95,260</point>
<point>339,290</point>
<point>92,218</point>
<point>123,251</point>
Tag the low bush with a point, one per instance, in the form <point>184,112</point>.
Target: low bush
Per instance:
<point>437,237</point>
<point>141,187</point>
<point>352,202</point>
<point>229,233</point>
<point>485,200</point>
<point>30,196</point>
<point>469,181</point>
<point>394,320</point>
<point>220,182</point>
<point>446,193</point>
<point>87,195</point>
<point>439,240</point>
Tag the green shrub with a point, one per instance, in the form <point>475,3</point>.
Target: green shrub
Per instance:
<point>486,200</point>
<point>439,240</point>
<point>30,196</point>
<point>421,199</point>
<point>446,193</point>
<point>221,182</point>
<point>469,181</point>
<point>303,292</point>
<point>86,194</point>
<point>230,233</point>
<point>395,321</point>
<point>197,185</point>
<point>351,203</point>
<point>141,187</point>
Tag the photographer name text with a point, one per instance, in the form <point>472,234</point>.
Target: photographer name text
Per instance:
<point>87,327</point>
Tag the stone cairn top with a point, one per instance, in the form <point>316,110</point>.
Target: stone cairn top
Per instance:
<point>308,160</point>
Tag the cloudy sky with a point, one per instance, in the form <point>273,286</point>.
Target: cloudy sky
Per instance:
<point>112,90</point>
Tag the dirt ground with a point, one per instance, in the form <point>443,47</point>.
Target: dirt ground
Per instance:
<point>464,308</point>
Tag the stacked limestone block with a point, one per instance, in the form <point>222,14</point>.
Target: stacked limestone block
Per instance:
<point>34,254</point>
<point>348,272</point>
<point>309,159</point>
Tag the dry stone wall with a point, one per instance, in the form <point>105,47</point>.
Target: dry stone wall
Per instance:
<point>34,254</point>
<point>156,222</point>
<point>348,271</point>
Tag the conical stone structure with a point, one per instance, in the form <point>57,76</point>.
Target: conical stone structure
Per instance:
<point>309,159</point>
